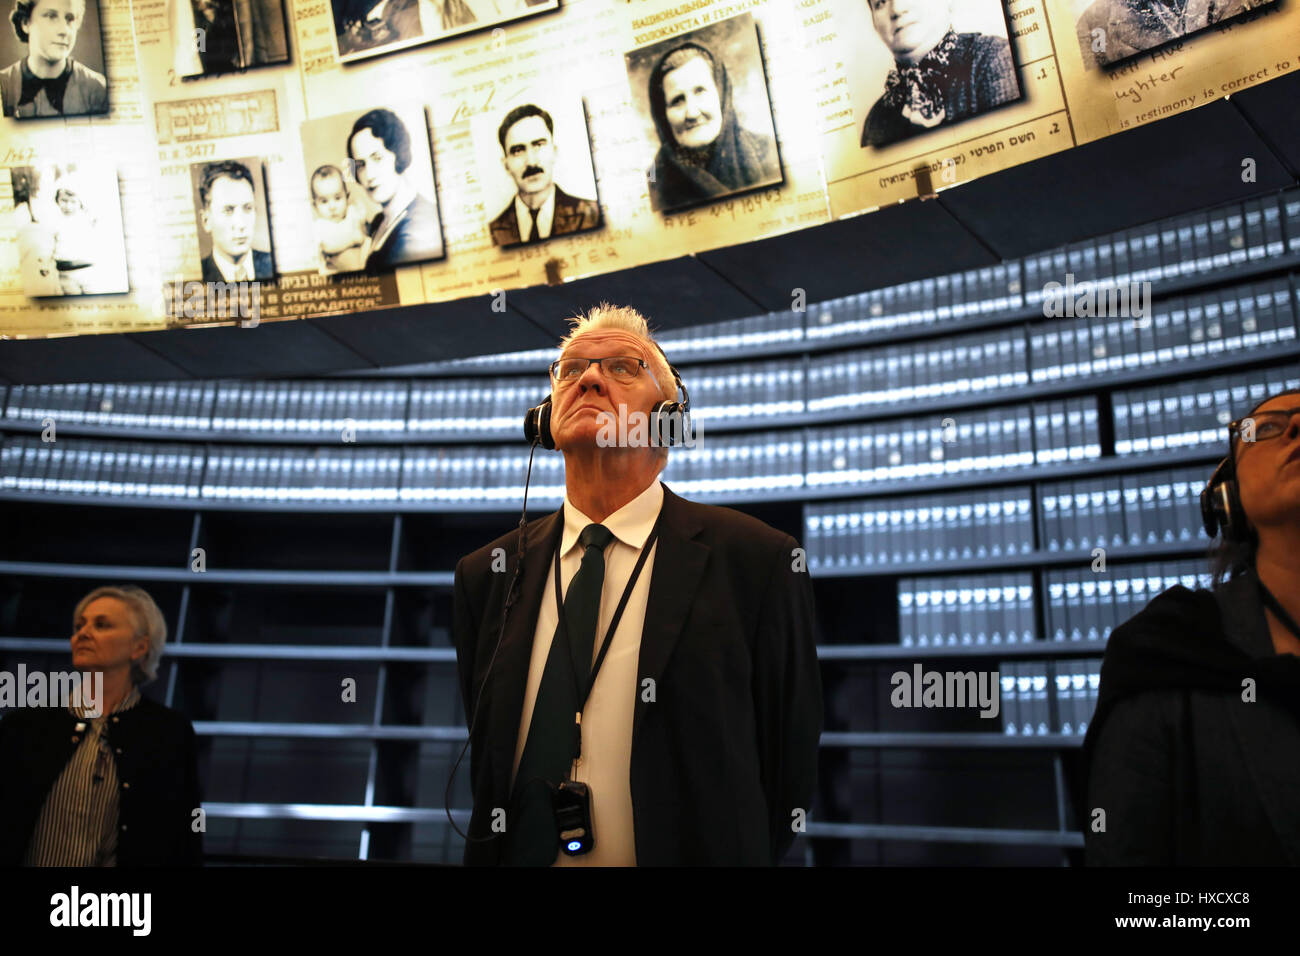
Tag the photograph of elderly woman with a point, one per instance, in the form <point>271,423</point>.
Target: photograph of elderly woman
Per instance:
<point>56,60</point>
<point>703,96</point>
<point>931,63</point>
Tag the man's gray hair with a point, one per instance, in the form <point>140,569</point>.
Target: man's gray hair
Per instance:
<point>623,318</point>
<point>148,623</point>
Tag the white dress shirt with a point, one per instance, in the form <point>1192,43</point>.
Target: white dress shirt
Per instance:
<point>235,271</point>
<point>545,217</point>
<point>606,761</point>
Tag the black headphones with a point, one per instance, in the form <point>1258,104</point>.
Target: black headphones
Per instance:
<point>1221,504</point>
<point>670,422</point>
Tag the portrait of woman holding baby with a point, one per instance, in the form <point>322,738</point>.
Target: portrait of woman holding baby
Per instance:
<point>370,181</point>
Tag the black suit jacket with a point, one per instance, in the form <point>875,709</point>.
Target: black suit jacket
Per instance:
<point>571,215</point>
<point>263,267</point>
<point>156,754</point>
<point>728,750</point>
<point>1195,777</point>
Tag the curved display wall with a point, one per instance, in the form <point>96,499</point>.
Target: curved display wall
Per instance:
<point>177,163</point>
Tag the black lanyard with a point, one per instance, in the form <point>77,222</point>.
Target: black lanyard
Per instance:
<point>609,634</point>
<point>1275,606</point>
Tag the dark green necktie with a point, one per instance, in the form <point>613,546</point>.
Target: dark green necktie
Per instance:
<point>531,838</point>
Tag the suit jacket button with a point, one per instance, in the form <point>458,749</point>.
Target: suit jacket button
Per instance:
<point>125,785</point>
<point>119,749</point>
<point>114,720</point>
<point>75,738</point>
<point>123,826</point>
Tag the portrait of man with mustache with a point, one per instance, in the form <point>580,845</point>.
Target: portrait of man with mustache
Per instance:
<point>540,209</point>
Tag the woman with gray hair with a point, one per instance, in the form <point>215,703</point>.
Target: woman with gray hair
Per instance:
<point>112,782</point>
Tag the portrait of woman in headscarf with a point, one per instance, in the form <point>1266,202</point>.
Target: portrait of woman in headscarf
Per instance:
<point>704,153</point>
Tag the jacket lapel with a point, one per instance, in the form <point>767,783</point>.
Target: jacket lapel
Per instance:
<point>564,210</point>
<point>678,568</point>
<point>516,650</point>
<point>1268,737</point>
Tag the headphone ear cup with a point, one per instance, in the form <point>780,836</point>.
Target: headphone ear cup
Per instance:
<point>669,420</point>
<point>537,425</point>
<point>544,425</point>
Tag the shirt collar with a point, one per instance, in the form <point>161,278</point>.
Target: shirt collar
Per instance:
<point>228,267</point>
<point>545,215</point>
<point>54,87</point>
<point>126,703</point>
<point>630,524</point>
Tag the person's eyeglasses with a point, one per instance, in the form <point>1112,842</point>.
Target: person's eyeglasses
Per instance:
<point>620,368</point>
<point>1262,426</point>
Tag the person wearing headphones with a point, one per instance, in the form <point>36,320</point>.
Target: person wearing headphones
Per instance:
<point>1193,755</point>
<point>644,689</point>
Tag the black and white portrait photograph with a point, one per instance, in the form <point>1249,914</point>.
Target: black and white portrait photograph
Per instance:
<point>534,162</point>
<point>704,98</point>
<point>918,65</point>
<point>68,220</point>
<point>230,210</point>
<point>1114,30</point>
<point>365,28</point>
<point>370,183</point>
<point>53,57</point>
<point>223,36</point>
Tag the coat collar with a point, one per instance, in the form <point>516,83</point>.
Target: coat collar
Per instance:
<point>1269,738</point>
<point>1242,614</point>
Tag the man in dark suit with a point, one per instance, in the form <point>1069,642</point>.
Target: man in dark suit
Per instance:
<point>228,214</point>
<point>698,739</point>
<point>528,155</point>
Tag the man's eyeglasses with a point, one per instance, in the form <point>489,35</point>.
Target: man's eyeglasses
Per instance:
<point>1262,426</point>
<point>620,368</point>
